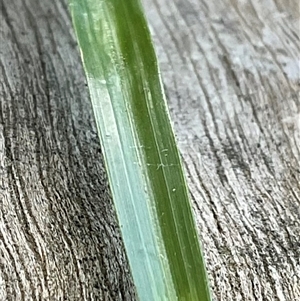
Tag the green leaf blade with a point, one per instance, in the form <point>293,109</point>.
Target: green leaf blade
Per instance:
<point>143,163</point>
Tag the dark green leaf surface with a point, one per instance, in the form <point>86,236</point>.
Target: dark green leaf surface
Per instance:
<point>144,168</point>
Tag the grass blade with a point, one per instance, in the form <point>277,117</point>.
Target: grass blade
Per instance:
<point>144,168</point>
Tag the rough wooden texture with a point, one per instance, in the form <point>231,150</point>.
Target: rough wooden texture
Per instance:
<point>231,72</point>
<point>59,238</point>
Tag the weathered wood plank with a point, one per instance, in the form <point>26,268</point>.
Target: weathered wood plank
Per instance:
<point>59,238</point>
<point>231,72</point>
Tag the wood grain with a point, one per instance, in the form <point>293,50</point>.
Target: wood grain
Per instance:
<point>231,73</point>
<point>59,238</point>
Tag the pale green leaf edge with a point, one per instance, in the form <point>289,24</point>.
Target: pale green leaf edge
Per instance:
<point>109,85</point>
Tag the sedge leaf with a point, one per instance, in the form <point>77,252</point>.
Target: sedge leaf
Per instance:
<point>144,169</point>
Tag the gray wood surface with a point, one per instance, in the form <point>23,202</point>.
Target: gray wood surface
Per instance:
<point>231,74</point>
